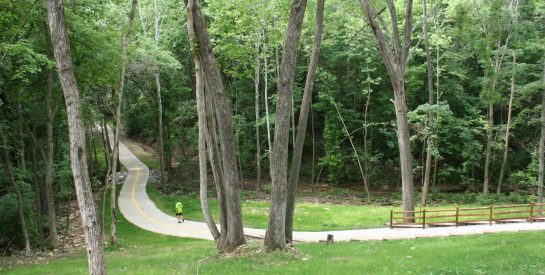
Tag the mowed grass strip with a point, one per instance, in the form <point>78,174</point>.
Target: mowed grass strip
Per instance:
<point>312,216</point>
<point>142,252</point>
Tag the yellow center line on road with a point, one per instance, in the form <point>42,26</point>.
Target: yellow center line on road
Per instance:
<point>145,215</point>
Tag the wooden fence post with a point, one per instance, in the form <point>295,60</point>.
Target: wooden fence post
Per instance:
<point>532,212</point>
<point>457,213</point>
<point>391,218</point>
<point>490,219</point>
<point>424,219</point>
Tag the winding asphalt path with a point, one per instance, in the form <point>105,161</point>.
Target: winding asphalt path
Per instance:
<point>138,209</point>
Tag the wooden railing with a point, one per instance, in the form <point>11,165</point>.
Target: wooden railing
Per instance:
<point>462,216</point>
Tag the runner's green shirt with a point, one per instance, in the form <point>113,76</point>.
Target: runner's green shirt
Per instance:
<point>179,207</point>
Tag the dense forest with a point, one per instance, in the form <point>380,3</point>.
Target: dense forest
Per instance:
<point>437,95</point>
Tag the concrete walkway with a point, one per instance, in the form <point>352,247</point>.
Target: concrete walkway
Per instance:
<point>138,209</point>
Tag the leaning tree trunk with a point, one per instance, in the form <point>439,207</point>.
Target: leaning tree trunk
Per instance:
<point>78,160</point>
<point>201,111</point>
<point>303,119</point>
<point>276,230</point>
<point>541,144</point>
<point>508,127</point>
<point>115,155</point>
<point>427,170</point>
<point>234,235</point>
<point>9,173</point>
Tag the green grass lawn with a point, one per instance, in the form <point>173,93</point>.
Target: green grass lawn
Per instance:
<point>308,216</point>
<point>142,252</point>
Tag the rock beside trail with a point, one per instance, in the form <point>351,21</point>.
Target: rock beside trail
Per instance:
<point>155,176</point>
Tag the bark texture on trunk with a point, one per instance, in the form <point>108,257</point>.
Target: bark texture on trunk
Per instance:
<point>201,111</point>
<point>429,141</point>
<point>115,156</point>
<point>48,190</point>
<point>303,119</point>
<point>395,59</point>
<point>276,233</point>
<point>541,144</point>
<point>489,136</point>
<point>233,235</point>
<point>37,187</point>
<point>508,126</point>
<point>78,160</point>
<point>159,103</point>
<point>8,168</point>
<point>257,138</point>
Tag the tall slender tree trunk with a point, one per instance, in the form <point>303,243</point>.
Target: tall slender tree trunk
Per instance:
<point>234,235</point>
<point>366,162</point>
<point>201,111</point>
<point>9,173</point>
<point>78,160</point>
<point>508,126</point>
<point>37,188</point>
<point>510,108</point>
<point>313,142</point>
<point>303,119</point>
<point>276,230</point>
<point>489,136</point>
<point>115,158</point>
<point>266,98</point>
<point>394,56</point>
<point>257,138</point>
<point>48,190</point>
<point>108,159</point>
<point>22,146</point>
<point>541,145</point>
<point>159,102</point>
<point>427,170</point>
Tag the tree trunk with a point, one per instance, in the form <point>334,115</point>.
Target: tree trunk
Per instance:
<point>427,170</point>
<point>159,103</point>
<point>9,173</point>
<point>48,189</point>
<point>394,56</point>
<point>22,146</point>
<point>366,162</point>
<point>78,160</point>
<point>201,110</point>
<point>257,138</point>
<point>234,235</point>
<point>108,160</point>
<point>115,158</point>
<point>508,126</point>
<point>489,136</point>
<point>541,145</point>
<point>303,119</point>
<point>405,155</point>
<point>37,189</point>
<point>276,230</point>
<point>510,108</point>
<point>266,98</point>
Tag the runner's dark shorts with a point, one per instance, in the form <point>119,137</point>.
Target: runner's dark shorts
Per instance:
<point>178,214</point>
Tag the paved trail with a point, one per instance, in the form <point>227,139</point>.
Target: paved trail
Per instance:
<point>138,209</point>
